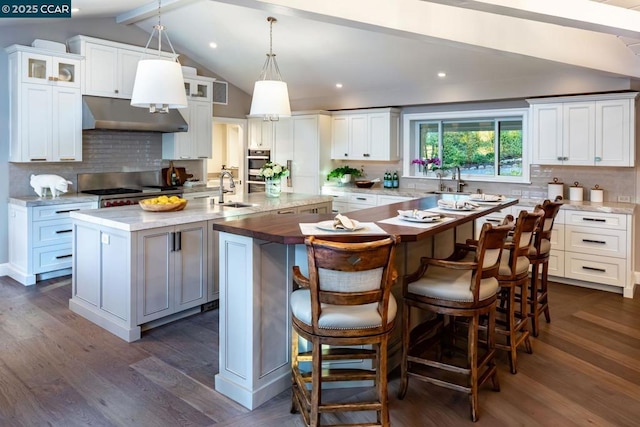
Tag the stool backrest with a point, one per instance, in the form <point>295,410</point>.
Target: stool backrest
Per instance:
<point>488,254</point>
<point>524,231</point>
<point>351,273</point>
<point>545,227</point>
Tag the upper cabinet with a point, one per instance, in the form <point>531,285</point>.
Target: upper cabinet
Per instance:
<point>109,68</point>
<point>366,135</point>
<point>593,130</point>
<point>45,105</point>
<point>260,133</point>
<point>197,142</point>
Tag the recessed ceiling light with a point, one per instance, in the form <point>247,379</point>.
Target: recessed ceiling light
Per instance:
<point>442,74</point>
<point>339,85</point>
<point>213,45</point>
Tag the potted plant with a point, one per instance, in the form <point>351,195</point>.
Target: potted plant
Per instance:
<point>345,173</point>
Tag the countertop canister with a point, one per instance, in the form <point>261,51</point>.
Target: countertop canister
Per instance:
<point>576,192</point>
<point>555,189</point>
<point>597,194</point>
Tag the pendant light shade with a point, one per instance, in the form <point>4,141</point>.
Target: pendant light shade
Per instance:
<point>159,84</point>
<point>270,93</point>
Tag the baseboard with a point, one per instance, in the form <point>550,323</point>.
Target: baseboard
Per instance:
<point>17,275</point>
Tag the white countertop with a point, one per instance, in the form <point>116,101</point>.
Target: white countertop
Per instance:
<point>133,218</point>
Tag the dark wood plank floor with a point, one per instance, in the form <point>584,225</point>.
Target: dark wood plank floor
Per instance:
<point>58,369</point>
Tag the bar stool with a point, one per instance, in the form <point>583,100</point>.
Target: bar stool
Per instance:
<point>539,256</point>
<point>453,287</point>
<point>345,301</point>
<point>513,278</point>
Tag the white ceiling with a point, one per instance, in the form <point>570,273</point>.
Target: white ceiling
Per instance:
<point>389,52</point>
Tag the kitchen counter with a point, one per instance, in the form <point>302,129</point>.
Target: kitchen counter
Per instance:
<point>133,218</point>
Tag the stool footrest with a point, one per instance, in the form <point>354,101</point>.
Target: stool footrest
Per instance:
<point>342,375</point>
<point>340,353</point>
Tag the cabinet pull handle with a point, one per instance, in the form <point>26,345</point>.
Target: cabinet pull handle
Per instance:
<point>594,219</point>
<point>366,155</point>
<point>64,256</point>
<point>178,241</point>
<point>173,241</point>
<point>285,212</point>
<point>67,159</point>
<point>289,177</point>
<point>598,159</point>
<point>594,241</point>
<point>67,210</point>
<point>38,160</point>
<point>63,231</point>
<point>361,198</point>
<point>493,220</point>
<point>601,270</point>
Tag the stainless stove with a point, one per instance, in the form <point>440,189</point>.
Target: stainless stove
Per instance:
<point>124,188</point>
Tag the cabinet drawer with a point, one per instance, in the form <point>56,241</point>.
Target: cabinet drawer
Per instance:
<point>388,200</point>
<point>363,199</point>
<point>594,268</point>
<point>51,232</point>
<point>596,219</point>
<point>60,211</point>
<point>557,237</point>
<point>339,207</point>
<point>50,258</point>
<point>556,263</point>
<point>596,241</point>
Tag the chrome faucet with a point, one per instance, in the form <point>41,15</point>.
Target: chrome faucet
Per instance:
<point>459,182</point>
<point>224,173</point>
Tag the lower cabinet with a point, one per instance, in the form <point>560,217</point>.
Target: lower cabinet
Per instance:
<point>171,270</point>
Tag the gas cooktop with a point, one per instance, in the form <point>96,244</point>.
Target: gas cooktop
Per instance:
<point>112,191</point>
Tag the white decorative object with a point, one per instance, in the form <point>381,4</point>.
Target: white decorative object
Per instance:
<point>56,184</point>
<point>49,45</point>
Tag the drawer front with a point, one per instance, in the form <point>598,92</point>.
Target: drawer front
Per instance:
<point>51,258</point>
<point>594,268</point>
<point>336,194</point>
<point>557,236</point>
<point>339,207</point>
<point>60,211</point>
<point>52,232</point>
<point>364,199</point>
<point>388,200</point>
<point>596,241</point>
<point>596,219</point>
<point>556,263</point>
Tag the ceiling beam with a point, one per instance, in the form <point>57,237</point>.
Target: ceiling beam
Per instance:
<point>580,14</point>
<point>150,10</point>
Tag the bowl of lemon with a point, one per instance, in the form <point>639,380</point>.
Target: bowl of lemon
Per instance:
<point>163,204</point>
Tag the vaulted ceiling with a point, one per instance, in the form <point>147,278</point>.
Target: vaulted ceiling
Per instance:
<point>390,52</point>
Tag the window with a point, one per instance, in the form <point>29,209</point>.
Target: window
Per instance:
<point>485,145</point>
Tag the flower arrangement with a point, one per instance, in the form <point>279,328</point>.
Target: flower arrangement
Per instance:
<point>273,170</point>
<point>427,164</point>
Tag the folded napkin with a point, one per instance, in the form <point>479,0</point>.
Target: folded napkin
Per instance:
<point>457,204</point>
<point>487,197</point>
<point>341,222</point>
<point>415,213</point>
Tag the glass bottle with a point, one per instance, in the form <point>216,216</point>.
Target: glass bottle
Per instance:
<point>395,181</point>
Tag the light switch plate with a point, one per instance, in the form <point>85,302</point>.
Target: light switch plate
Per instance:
<point>105,239</point>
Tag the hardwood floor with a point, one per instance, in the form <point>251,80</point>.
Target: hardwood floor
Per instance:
<point>58,369</point>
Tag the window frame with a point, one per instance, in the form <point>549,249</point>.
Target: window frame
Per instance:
<point>411,140</point>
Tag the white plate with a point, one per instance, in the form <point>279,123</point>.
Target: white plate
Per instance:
<point>488,199</point>
<point>446,208</point>
<point>423,220</point>
<point>65,75</point>
<point>328,226</point>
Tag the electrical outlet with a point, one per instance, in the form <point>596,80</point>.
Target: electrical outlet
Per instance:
<point>516,192</point>
<point>105,239</point>
<point>411,185</point>
<point>624,199</point>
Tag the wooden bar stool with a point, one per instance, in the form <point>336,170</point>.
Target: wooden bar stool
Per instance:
<point>513,277</point>
<point>345,301</point>
<point>539,257</point>
<point>452,288</point>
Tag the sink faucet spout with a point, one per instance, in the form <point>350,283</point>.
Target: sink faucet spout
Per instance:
<point>224,173</point>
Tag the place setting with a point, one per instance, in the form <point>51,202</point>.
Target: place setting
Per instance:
<point>489,199</point>
<point>416,218</point>
<point>341,224</point>
<point>458,207</point>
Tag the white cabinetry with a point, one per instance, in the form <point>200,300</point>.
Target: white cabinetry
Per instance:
<point>197,142</point>
<point>346,201</point>
<point>45,106</point>
<point>302,143</point>
<point>366,135</point>
<point>171,270</point>
<point>109,68</point>
<point>40,240</point>
<point>593,130</point>
<point>261,133</point>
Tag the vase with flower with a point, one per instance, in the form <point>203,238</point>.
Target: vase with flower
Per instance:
<point>273,174</point>
<point>426,165</point>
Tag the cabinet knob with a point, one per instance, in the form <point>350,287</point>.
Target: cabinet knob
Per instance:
<point>116,91</point>
<point>598,159</point>
<point>346,154</point>
<point>366,154</point>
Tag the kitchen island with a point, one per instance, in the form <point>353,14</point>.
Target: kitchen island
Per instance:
<point>134,270</point>
<point>256,257</point>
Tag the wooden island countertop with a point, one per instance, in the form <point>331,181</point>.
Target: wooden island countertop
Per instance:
<point>285,229</point>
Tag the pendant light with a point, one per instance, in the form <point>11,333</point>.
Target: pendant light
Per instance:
<point>159,84</point>
<point>270,94</point>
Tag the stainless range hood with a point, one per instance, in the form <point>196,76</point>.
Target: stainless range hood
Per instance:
<point>118,114</point>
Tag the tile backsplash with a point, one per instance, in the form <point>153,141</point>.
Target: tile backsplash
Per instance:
<point>102,151</point>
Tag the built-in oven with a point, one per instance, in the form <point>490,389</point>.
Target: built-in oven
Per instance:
<point>256,159</point>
